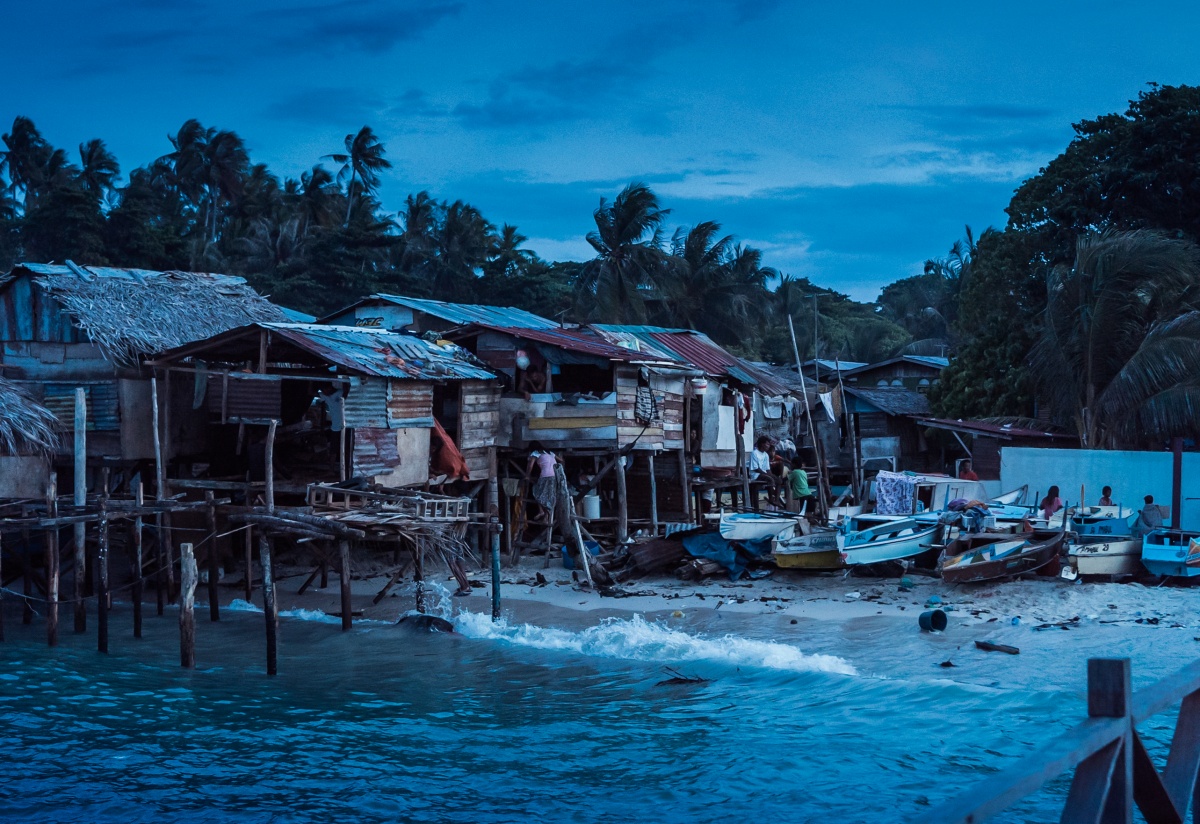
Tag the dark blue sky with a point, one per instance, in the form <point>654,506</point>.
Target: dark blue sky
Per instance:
<point>849,141</point>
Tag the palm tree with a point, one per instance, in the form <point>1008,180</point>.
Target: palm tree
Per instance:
<point>1119,352</point>
<point>316,201</point>
<point>506,257</point>
<point>630,262</point>
<point>24,158</point>
<point>363,161</point>
<point>98,168</point>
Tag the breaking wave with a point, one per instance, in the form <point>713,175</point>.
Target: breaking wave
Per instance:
<point>637,639</point>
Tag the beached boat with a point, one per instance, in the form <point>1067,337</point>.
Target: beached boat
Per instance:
<point>873,539</point>
<point>1103,522</point>
<point>754,526</point>
<point>1013,497</point>
<point>988,556</point>
<point>817,550</point>
<point>1172,552</point>
<point>1118,556</point>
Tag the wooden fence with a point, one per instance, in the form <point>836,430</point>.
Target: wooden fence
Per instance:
<point>1113,770</point>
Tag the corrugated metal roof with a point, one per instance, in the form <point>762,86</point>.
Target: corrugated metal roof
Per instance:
<point>380,353</point>
<point>638,339</point>
<point>834,365</point>
<point>461,314</point>
<point>893,401</point>
<point>1004,431</point>
<point>572,340</point>
<point>921,360</point>
<point>297,317</point>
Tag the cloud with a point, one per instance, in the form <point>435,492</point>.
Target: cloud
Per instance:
<point>368,25</point>
<point>328,104</point>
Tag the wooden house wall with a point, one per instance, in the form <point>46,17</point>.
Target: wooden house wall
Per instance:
<point>27,313</point>
<point>985,457</point>
<point>478,421</point>
<point>665,431</point>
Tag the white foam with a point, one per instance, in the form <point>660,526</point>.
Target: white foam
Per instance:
<point>239,605</point>
<point>636,639</point>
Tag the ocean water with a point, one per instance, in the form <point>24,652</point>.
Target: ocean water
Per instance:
<point>497,723</point>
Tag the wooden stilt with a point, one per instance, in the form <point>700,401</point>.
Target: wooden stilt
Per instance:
<point>324,573</point>
<point>249,540</point>
<point>344,557</point>
<point>159,563</point>
<point>188,573</point>
<point>214,561</point>
<point>27,580</point>
<point>419,573</point>
<point>80,499</point>
<point>653,496</point>
<point>102,602</point>
<point>1,587</point>
<point>622,501</point>
<point>52,565</point>
<point>493,534</point>
<point>684,485</point>
<point>163,521</point>
<point>139,496</point>
<point>270,607</point>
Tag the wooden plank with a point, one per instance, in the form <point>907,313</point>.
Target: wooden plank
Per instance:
<point>1149,793</point>
<point>1157,697</point>
<point>1091,786</point>
<point>1183,762</point>
<point>1108,687</point>
<point>537,424</point>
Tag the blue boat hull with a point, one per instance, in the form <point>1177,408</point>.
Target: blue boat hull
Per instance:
<point>1165,553</point>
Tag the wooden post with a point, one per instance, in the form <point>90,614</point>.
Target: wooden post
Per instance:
<point>347,615</point>
<point>742,469</point>
<point>159,563</point>
<point>419,572</point>
<point>27,580</point>
<point>249,540</point>
<point>622,500</point>
<point>812,427</point>
<point>80,500</point>
<point>214,597</point>
<point>139,498</point>
<point>162,522</point>
<point>102,603</point>
<point>1110,694</point>
<point>685,485</point>
<point>1,587</point>
<point>1176,481</point>
<point>493,533</point>
<point>52,564</point>
<point>188,574</point>
<point>653,496</point>
<point>270,608</point>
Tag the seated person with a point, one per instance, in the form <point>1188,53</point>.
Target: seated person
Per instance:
<point>802,496</point>
<point>760,470</point>
<point>533,381</point>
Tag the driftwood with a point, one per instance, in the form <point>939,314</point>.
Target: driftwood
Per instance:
<point>679,679</point>
<point>988,646</point>
<point>657,554</point>
<point>698,568</point>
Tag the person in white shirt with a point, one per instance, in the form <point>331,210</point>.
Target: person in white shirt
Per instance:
<point>760,470</point>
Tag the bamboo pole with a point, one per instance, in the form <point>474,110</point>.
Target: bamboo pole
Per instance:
<point>812,428</point>
<point>52,564</point>
<point>139,494</point>
<point>653,496</point>
<point>188,574</point>
<point>685,485</point>
<point>214,596</point>
<point>855,456</point>
<point>80,500</point>
<point>742,469</point>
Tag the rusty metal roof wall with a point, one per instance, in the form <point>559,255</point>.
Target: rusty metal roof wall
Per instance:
<point>461,314</point>
<point>699,350</point>
<point>381,353</point>
<point>992,429</point>
<point>571,340</point>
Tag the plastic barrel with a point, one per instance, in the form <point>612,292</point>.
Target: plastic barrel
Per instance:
<point>933,621</point>
<point>591,506</point>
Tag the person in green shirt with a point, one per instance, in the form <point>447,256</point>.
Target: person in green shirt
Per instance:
<point>798,485</point>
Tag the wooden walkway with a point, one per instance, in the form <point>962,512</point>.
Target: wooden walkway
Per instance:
<point>1113,770</point>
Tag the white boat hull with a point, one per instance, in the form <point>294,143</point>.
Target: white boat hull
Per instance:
<point>901,539</point>
<point>748,527</point>
<point>1119,557</point>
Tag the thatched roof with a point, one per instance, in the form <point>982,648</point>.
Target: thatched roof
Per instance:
<point>26,427</point>
<point>130,313</point>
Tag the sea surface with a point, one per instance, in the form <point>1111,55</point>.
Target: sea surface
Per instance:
<point>498,723</point>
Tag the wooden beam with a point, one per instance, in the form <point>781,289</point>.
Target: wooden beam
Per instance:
<point>493,531</point>
<point>102,596</point>
<point>137,566</point>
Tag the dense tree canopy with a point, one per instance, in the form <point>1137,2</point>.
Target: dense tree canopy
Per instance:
<point>1139,170</point>
<point>318,242</point>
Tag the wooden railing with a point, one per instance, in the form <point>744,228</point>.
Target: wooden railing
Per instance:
<point>1113,770</point>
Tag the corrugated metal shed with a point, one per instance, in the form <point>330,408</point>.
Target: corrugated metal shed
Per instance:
<point>462,314</point>
<point>381,354</point>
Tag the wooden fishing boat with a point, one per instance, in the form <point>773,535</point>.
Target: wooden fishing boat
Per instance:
<point>817,550</point>
<point>1103,522</point>
<point>1013,497</point>
<point>1172,552</point>
<point>988,556</point>
<point>754,526</point>
<point>873,539</point>
<point>1118,556</point>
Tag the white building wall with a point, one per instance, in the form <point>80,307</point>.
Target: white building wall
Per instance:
<point>1132,475</point>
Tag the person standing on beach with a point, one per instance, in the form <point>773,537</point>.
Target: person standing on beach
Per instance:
<point>1106,497</point>
<point>1149,519</point>
<point>545,487</point>
<point>798,486</point>
<point>1051,503</point>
